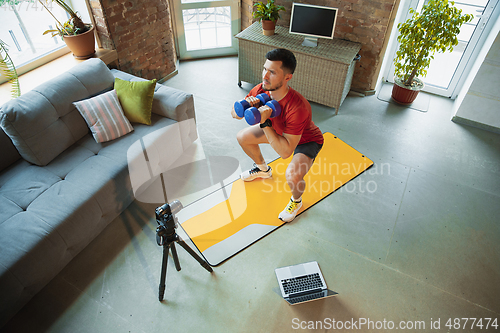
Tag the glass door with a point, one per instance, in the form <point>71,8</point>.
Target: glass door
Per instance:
<point>445,71</point>
<point>206,28</point>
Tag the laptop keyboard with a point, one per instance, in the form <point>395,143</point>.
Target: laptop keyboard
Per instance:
<point>302,283</point>
<point>305,298</point>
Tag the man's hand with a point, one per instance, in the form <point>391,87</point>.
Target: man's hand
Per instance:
<point>234,115</point>
<point>265,113</point>
<point>252,100</point>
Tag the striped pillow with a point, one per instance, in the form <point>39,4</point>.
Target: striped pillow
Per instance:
<point>104,116</point>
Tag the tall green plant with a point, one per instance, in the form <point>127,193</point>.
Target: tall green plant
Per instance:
<point>434,29</point>
<point>269,11</point>
<point>9,70</point>
<point>73,26</point>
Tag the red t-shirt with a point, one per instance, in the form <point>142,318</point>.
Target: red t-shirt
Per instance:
<point>295,117</point>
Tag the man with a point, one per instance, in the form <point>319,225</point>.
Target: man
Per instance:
<point>292,131</point>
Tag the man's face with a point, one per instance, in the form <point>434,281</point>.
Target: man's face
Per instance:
<point>273,76</point>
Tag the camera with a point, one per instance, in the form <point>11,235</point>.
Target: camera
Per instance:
<point>167,222</point>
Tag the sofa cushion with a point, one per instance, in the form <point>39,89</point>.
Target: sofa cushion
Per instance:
<point>27,233</point>
<point>136,99</point>
<point>42,123</point>
<point>27,185</point>
<point>104,116</point>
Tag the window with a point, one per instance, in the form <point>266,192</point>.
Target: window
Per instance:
<point>23,24</point>
<point>207,27</point>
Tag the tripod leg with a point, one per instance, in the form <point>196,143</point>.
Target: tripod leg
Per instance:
<point>195,255</point>
<point>163,275</point>
<point>176,259</point>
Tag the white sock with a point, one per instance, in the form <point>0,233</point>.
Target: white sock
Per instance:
<point>262,167</point>
<point>297,200</point>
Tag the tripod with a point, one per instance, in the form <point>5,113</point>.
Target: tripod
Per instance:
<point>166,236</point>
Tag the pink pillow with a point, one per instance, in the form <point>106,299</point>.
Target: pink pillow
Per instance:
<point>104,116</point>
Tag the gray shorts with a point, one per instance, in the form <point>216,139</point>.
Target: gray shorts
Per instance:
<point>310,149</point>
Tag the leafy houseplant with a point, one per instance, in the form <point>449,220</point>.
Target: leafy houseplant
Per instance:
<point>434,29</point>
<point>9,70</point>
<point>267,13</point>
<point>78,36</point>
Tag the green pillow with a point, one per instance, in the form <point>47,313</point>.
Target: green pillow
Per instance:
<point>136,99</point>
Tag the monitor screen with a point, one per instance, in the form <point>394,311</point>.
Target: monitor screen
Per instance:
<point>313,21</point>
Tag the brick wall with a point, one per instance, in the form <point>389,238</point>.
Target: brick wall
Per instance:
<point>141,33</point>
<point>246,13</point>
<point>365,21</point>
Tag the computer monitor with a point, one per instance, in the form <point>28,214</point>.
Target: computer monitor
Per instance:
<point>313,22</point>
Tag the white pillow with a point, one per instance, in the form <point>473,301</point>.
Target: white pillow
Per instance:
<point>104,116</point>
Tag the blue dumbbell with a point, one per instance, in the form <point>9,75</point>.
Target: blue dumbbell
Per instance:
<point>242,105</point>
<point>252,115</point>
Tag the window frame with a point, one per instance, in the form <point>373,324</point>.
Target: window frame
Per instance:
<point>82,7</point>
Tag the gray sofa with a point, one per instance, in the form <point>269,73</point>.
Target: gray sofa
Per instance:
<point>58,187</point>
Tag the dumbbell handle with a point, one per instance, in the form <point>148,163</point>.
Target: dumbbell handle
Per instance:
<point>241,106</point>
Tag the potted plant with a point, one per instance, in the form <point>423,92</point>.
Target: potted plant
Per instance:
<point>78,36</point>
<point>9,70</point>
<point>434,29</point>
<point>268,14</point>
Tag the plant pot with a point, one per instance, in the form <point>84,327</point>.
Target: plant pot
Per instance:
<point>268,27</point>
<point>406,95</point>
<point>82,45</point>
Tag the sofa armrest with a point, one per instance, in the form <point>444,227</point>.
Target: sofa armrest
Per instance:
<point>173,103</point>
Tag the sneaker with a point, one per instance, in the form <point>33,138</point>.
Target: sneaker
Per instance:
<point>255,173</point>
<point>290,211</point>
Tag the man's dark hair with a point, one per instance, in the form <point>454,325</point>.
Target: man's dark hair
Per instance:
<point>286,57</point>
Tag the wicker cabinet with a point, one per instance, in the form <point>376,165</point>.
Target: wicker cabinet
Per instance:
<point>323,75</point>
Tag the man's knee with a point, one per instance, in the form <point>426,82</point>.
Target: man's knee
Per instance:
<point>295,180</point>
<point>250,136</point>
<point>297,170</point>
<point>241,136</point>
<point>293,175</point>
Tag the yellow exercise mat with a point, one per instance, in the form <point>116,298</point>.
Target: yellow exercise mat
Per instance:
<point>233,217</point>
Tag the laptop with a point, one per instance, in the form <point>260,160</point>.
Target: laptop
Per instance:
<point>302,283</point>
